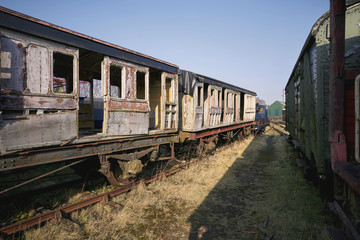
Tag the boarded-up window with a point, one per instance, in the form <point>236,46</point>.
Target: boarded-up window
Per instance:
<point>116,81</point>
<point>140,85</point>
<point>11,63</point>
<point>63,73</point>
<point>38,69</point>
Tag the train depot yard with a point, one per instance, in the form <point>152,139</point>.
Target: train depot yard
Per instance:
<point>249,189</point>
<point>98,141</point>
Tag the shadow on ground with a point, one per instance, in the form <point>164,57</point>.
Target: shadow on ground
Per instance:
<point>227,212</point>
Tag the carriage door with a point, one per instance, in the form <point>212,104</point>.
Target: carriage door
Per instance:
<point>199,106</point>
<point>214,106</point>
<point>126,98</point>
<point>169,99</point>
<point>237,107</point>
<point>229,107</point>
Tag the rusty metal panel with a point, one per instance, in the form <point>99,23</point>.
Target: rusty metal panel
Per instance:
<point>11,63</point>
<point>37,130</point>
<point>336,81</point>
<point>38,69</point>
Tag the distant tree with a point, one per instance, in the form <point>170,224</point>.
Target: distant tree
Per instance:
<point>260,101</point>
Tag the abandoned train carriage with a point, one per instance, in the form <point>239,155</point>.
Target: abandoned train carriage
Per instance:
<point>67,96</point>
<point>208,103</point>
<point>63,89</point>
<point>322,99</point>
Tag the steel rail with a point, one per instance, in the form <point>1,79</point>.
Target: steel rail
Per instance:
<point>279,131</point>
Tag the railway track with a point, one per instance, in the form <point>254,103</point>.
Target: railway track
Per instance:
<point>57,214</point>
<point>279,127</point>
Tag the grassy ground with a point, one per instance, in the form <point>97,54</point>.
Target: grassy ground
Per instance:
<point>248,190</point>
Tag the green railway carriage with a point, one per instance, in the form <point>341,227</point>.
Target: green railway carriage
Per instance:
<point>307,92</point>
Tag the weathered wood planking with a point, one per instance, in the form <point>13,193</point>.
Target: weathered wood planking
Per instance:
<point>12,64</point>
<point>250,110</point>
<point>127,123</point>
<point>38,68</point>
<point>14,102</point>
<point>37,130</point>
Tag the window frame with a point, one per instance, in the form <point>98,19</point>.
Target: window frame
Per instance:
<point>74,76</point>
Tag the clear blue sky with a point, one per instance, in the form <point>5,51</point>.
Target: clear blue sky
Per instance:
<point>251,44</point>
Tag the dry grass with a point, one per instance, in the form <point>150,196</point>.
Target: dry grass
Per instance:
<point>226,196</point>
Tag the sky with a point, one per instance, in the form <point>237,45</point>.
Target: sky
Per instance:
<point>250,44</point>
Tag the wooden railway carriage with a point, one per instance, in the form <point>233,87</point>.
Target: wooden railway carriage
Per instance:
<point>210,106</point>
<point>67,97</point>
<point>60,88</point>
<point>322,100</point>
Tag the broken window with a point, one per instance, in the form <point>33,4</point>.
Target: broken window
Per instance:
<point>116,81</point>
<point>62,73</point>
<point>140,85</point>
<point>97,88</point>
<point>169,89</point>
<point>85,92</point>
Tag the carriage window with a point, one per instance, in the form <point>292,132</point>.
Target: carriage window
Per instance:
<point>116,82</point>
<point>229,100</point>
<point>62,73</point>
<point>213,98</point>
<point>219,100</point>
<point>85,92</point>
<point>140,85</point>
<point>169,89</point>
<point>199,100</point>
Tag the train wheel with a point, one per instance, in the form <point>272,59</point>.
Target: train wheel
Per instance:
<point>120,173</point>
<point>117,177</point>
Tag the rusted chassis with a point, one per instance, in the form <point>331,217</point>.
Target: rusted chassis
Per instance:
<point>211,132</point>
<point>72,152</point>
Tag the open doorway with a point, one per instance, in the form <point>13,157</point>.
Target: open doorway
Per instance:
<point>242,106</point>
<point>155,99</point>
<point>163,101</point>
<point>91,103</point>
